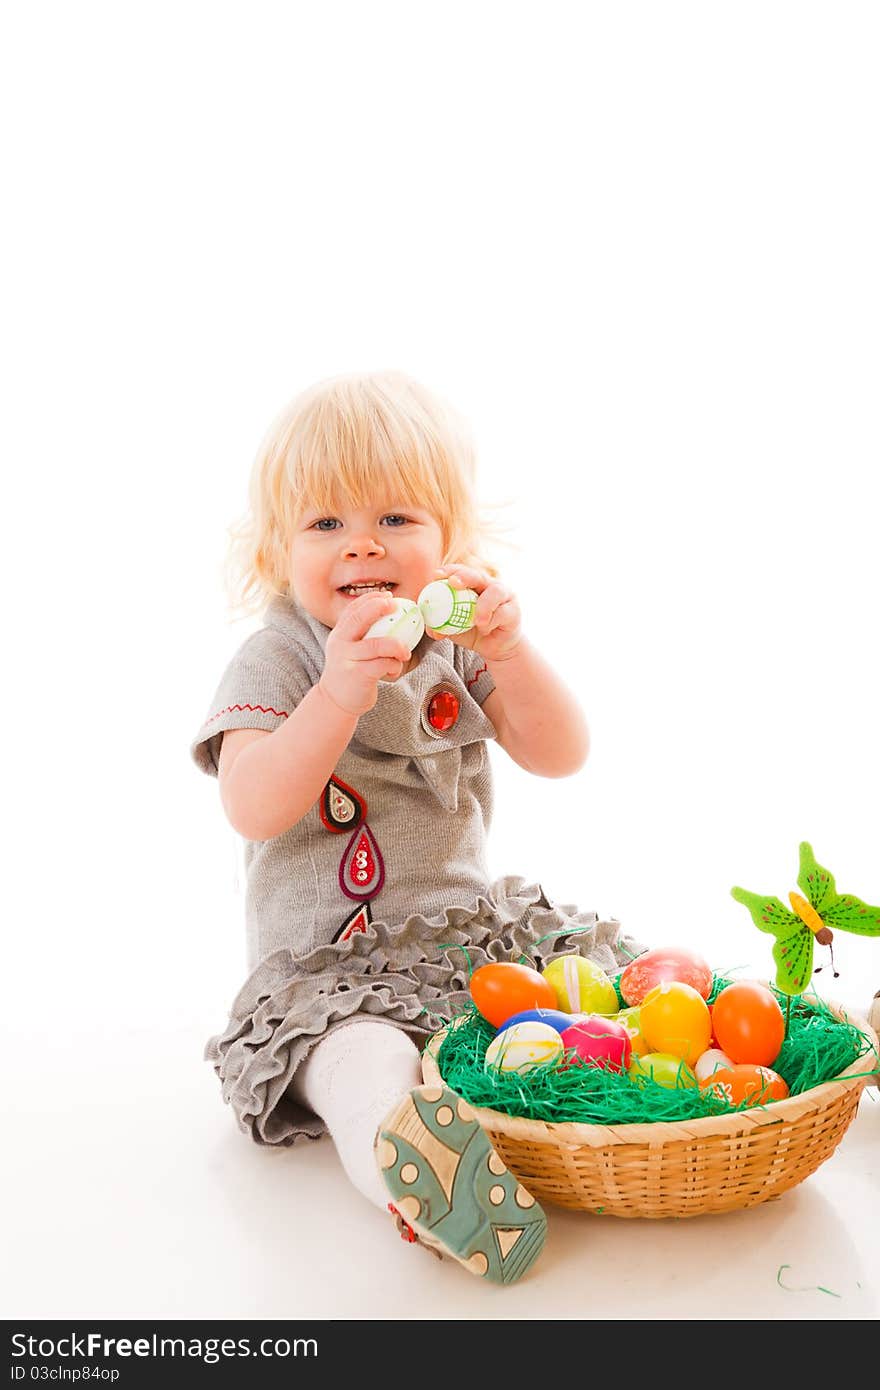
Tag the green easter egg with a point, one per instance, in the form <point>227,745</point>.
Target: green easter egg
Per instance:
<point>445,609</point>
<point>663,1068</point>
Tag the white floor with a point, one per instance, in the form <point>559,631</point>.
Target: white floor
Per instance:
<point>136,1197</point>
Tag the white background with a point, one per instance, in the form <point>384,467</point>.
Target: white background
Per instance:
<point>636,246</point>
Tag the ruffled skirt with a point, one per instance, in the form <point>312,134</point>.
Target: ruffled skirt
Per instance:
<point>413,975</point>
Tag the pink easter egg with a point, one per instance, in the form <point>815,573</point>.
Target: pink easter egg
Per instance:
<point>598,1042</point>
<point>662,965</point>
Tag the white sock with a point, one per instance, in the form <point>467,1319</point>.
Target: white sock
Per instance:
<point>352,1079</point>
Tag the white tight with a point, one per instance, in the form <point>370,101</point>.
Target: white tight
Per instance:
<point>352,1079</point>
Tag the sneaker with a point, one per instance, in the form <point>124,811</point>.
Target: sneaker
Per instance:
<point>452,1189</point>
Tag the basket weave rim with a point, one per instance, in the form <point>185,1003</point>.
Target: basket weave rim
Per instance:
<point>578,1133</point>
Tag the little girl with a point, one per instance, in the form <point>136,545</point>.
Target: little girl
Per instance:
<point>358,775</point>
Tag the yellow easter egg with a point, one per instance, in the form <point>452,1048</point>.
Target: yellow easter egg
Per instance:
<point>580,986</point>
<point>675,1018</point>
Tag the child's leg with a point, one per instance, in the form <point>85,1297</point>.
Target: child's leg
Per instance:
<point>351,1079</point>
<point>422,1147</point>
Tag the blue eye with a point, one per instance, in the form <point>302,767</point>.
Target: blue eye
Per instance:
<point>396,518</point>
<point>327,523</point>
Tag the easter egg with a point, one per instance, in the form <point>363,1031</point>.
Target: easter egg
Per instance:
<point>445,609</point>
<point>598,1041</point>
<point>675,1018</point>
<point>748,1022</point>
<point>631,1020</point>
<point>524,1046</point>
<point>663,1068</point>
<point>745,1082</point>
<point>712,1060</point>
<point>504,988</point>
<point>664,963</point>
<point>581,986</point>
<point>555,1017</point>
<point>405,623</point>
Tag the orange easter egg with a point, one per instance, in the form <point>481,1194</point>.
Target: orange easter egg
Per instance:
<point>747,1082</point>
<point>502,989</point>
<point>748,1023</point>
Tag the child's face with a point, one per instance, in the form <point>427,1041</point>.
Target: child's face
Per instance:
<point>389,541</point>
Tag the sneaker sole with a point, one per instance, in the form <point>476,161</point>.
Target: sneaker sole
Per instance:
<point>454,1190</point>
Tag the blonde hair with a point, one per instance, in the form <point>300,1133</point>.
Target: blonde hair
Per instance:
<point>348,439</point>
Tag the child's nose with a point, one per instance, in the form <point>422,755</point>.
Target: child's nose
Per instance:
<point>363,546</point>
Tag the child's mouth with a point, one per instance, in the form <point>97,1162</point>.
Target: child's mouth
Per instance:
<point>373,587</point>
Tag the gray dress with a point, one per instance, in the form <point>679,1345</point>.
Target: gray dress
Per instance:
<point>378,902</point>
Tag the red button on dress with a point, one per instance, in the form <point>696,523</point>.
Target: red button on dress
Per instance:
<point>443,710</point>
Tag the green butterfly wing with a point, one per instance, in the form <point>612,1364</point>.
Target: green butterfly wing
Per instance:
<point>841,912</point>
<point>851,914</point>
<point>815,883</point>
<point>793,948</point>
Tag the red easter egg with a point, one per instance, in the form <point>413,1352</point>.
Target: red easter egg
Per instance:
<point>662,964</point>
<point>748,1023</point>
<point>503,989</point>
<point>598,1042</point>
<point>747,1082</point>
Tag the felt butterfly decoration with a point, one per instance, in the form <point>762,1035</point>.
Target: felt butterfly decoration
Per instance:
<point>812,918</point>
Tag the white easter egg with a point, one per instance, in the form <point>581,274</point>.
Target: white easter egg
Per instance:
<point>523,1046</point>
<point>710,1061</point>
<point>445,609</point>
<point>405,623</point>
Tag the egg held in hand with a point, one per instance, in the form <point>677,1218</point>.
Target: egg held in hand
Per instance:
<point>445,609</point>
<point>405,623</point>
<point>504,988</point>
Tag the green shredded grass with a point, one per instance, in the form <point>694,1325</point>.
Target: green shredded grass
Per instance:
<point>818,1047</point>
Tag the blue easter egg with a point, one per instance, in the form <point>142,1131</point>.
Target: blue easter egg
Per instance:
<point>555,1017</point>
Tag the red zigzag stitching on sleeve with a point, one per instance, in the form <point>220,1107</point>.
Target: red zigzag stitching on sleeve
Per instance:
<point>472,680</point>
<point>255,709</point>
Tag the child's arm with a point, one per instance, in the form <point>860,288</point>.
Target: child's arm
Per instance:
<point>268,781</point>
<point>537,719</point>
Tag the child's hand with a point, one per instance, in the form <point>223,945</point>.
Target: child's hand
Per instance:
<point>353,664</point>
<point>497,620</point>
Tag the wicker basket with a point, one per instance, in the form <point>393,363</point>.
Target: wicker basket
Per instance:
<point>683,1169</point>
